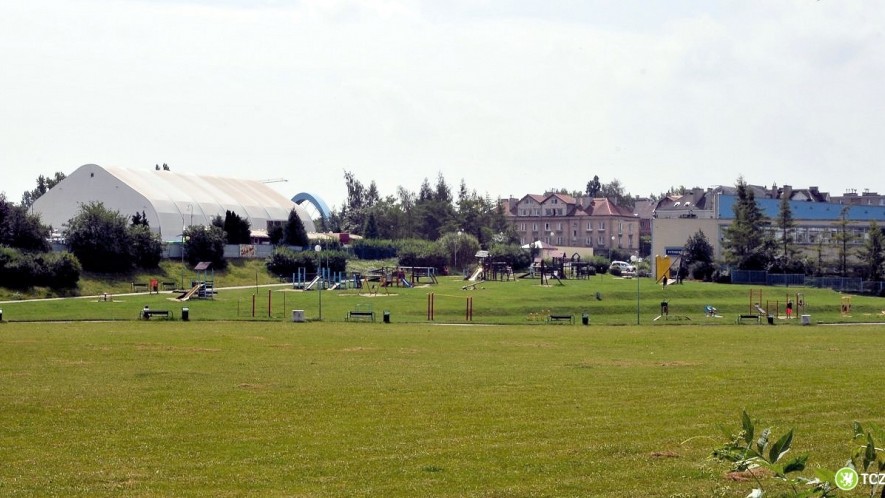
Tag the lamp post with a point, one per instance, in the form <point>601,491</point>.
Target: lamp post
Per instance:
<point>319,248</point>
<point>183,229</point>
<point>457,249</point>
<point>611,248</point>
<point>636,276</point>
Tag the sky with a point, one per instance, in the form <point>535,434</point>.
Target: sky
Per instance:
<point>512,97</point>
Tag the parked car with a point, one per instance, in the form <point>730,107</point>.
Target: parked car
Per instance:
<point>623,267</point>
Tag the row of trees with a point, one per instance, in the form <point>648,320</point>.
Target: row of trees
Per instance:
<point>428,214</point>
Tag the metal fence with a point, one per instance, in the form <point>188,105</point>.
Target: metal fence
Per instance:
<point>842,284</point>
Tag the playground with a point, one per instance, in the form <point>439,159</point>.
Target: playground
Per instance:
<point>402,292</point>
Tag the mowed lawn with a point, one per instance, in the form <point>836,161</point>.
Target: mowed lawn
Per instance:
<point>333,409</point>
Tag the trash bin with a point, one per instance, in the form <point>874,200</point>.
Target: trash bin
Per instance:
<point>585,319</point>
<point>144,313</point>
<point>1,315</point>
<point>297,315</point>
<point>770,320</point>
<point>185,314</point>
<point>386,316</point>
<point>806,319</point>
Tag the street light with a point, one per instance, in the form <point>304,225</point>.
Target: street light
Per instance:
<point>319,248</point>
<point>611,248</point>
<point>457,248</point>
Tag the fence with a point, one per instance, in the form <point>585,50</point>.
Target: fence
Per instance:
<point>842,284</point>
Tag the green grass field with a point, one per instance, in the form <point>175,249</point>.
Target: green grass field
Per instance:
<point>94,401</point>
<point>319,409</point>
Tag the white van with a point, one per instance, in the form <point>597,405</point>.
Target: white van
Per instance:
<point>625,267</point>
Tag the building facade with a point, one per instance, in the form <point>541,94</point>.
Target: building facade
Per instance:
<point>711,211</point>
<point>582,225</point>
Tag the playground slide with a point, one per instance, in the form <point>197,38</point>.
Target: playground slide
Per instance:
<point>475,275</point>
<point>405,282</point>
<point>187,295</point>
<point>760,310</point>
<point>312,283</point>
<point>337,285</point>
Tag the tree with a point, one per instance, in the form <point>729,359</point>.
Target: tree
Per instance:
<point>698,256</point>
<point>43,186</point>
<point>236,229</point>
<point>459,249</point>
<point>787,228</point>
<point>147,248</point>
<point>615,191</point>
<point>139,219</point>
<point>202,243</point>
<point>99,238</point>
<point>873,252</point>
<point>594,187</point>
<point>275,234</point>
<point>20,229</point>
<point>842,238</point>
<point>294,233</point>
<point>747,244</point>
<point>371,229</point>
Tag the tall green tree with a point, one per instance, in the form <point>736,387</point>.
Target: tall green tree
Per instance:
<point>205,243</point>
<point>786,226</point>
<point>294,233</point>
<point>872,254</point>
<point>146,248</point>
<point>100,239</point>
<point>698,256</point>
<point>593,187</point>
<point>371,230</point>
<point>43,185</point>
<point>747,244</point>
<point>236,229</point>
<point>842,239</point>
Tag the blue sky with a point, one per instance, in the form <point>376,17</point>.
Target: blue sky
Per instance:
<point>511,97</point>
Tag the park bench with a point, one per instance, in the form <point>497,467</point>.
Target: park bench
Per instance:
<point>359,315</point>
<point>139,286</point>
<point>757,318</point>
<point>168,286</point>
<point>561,318</point>
<point>147,314</point>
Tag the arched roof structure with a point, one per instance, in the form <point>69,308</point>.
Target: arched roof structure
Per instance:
<point>170,201</point>
<point>316,201</point>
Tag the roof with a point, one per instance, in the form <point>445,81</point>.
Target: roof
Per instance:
<point>170,200</point>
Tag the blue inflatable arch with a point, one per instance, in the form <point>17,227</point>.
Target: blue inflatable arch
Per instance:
<point>318,203</point>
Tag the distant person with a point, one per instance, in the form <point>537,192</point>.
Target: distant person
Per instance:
<point>789,309</point>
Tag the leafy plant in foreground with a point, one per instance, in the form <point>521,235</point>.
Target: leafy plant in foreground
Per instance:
<point>867,457</point>
<point>758,457</point>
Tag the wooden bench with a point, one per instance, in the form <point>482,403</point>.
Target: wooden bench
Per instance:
<point>168,286</point>
<point>757,318</point>
<point>147,314</point>
<point>369,315</point>
<point>136,286</point>
<point>561,318</point>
